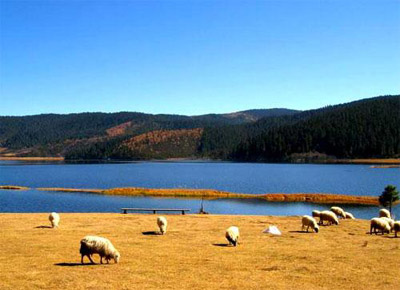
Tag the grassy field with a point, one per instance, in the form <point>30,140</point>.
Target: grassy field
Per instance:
<point>194,254</point>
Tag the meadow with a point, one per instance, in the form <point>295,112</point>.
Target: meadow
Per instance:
<point>194,253</point>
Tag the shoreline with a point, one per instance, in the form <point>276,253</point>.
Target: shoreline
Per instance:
<point>208,194</point>
<point>389,162</point>
<point>13,158</point>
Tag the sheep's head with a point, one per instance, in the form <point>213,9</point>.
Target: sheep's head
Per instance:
<point>316,228</point>
<point>117,256</point>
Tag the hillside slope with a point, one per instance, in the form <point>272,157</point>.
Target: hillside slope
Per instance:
<point>367,128</point>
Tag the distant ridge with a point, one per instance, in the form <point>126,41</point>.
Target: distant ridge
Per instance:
<point>367,128</point>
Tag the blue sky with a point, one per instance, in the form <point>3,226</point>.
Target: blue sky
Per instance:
<point>194,57</point>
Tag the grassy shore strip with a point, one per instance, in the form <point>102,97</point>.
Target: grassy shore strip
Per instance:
<point>388,161</point>
<point>60,189</point>
<point>385,166</point>
<point>13,158</point>
<point>279,197</point>
<point>13,187</point>
<point>215,194</point>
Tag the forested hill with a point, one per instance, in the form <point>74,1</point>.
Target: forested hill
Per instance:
<point>55,134</point>
<point>362,129</point>
<point>368,128</point>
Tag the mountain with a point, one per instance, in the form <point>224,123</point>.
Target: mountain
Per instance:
<point>56,134</point>
<point>367,128</point>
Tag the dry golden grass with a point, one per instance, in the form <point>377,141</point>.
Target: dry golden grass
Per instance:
<point>193,254</point>
<point>31,158</point>
<point>368,161</point>
<point>215,194</point>
<point>13,187</point>
<point>77,190</point>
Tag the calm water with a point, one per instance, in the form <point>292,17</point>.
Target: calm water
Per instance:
<point>234,177</point>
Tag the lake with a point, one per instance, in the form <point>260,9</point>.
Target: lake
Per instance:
<point>251,178</point>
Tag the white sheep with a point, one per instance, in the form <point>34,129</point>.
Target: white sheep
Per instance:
<point>328,216</point>
<point>390,222</point>
<point>98,245</point>
<point>384,213</point>
<point>338,211</point>
<point>54,218</point>
<point>396,228</point>
<point>349,215</point>
<point>308,221</point>
<point>232,235</point>
<point>380,225</point>
<point>162,224</point>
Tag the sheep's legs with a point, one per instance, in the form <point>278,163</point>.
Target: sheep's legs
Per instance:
<point>101,259</point>
<point>88,257</point>
<point>91,261</point>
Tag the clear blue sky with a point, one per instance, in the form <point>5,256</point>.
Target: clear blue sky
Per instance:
<point>195,57</point>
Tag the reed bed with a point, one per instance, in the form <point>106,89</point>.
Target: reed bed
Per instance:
<point>31,158</point>
<point>13,187</point>
<point>216,194</point>
<point>77,190</point>
<point>367,161</point>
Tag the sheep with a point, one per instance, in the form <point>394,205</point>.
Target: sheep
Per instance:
<point>328,216</point>
<point>232,235</point>
<point>98,245</point>
<point>379,224</point>
<point>349,215</point>
<point>54,218</point>
<point>308,221</point>
<point>316,213</point>
<point>396,227</point>
<point>338,211</point>
<point>390,222</point>
<point>162,224</point>
<point>384,213</point>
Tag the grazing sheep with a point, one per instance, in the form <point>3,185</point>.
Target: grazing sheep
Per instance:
<point>380,225</point>
<point>396,228</point>
<point>308,221</point>
<point>98,245</point>
<point>232,235</point>
<point>338,211</point>
<point>316,213</point>
<point>162,224</point>
<point>349,215</point>
<point>390,222</point>
<point>54,218</point>
<point>384,213</point>
<point>328,216</point>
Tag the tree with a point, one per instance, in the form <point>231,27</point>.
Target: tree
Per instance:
<point>389,196</point>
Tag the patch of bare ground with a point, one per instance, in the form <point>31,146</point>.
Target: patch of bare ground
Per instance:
<point>193,254</point>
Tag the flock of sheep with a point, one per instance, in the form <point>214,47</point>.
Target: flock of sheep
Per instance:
<point>384,223</point>
<point>104,248</point>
